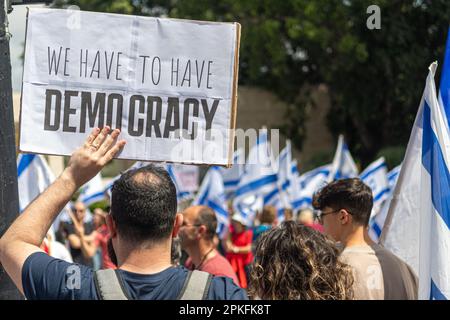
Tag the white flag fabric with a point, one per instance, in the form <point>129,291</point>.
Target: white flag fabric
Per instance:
<point>294,185</point>
<point>375,176</point>
<point>444,84</point>
<point>376,222</point>
<point>34,176</point>
<point>285,176</point>
<point>343,165</point>
<point>309,183</point>
<point>417,225</point>
<point>231,176</point>
<point>212,194</point>
<point>258,180</point>
<point>392,177</point>
<point>279,196</point>
<point>93,191</point>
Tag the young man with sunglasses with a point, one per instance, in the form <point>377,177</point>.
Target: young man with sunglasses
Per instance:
<point>344,208</point>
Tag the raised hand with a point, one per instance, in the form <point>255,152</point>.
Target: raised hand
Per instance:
<point>99,148</point>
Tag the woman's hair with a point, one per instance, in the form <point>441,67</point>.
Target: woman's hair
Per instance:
<point>293,261</point>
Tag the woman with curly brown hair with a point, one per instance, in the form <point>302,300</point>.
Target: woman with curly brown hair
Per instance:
<point>293,261</point>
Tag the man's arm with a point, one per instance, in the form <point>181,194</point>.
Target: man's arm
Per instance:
<point>26,234</point>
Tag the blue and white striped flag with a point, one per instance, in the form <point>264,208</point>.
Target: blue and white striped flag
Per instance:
<point>310,182</point>
<point>343,165</point>
<point>279,195</point>
<point>258,180</point>
<point>285,176</point>
<point>376,222</point>
<point>417,227</point>
<point>34,176</point>
<point>444,86</point>
<point>375,176</point>
<point>392,177</point>
<point>212,194</point>
<point>93,191</point>
<point>294,189</point>
<point>231,176</point>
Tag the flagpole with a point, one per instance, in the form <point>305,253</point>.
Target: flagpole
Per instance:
<point>9,198</point>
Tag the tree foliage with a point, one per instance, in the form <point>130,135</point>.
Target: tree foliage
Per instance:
<point>375,77</point>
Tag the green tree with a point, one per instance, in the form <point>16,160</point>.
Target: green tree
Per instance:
<point>375,77</point>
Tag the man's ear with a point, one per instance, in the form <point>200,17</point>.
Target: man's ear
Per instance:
<point>201,231</point>
<point>345,217</point>
<point>111,226</point>
<point>177,224</point>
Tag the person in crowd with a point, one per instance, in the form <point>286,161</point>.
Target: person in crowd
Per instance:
<point>345,207</point>
<point>267,220</point>
<point>102,237</point>
<point>306,217</point>
<point>295,262</point>
<point>238,246</point>
<point>197,235</point>
<point>288,214</point>
<point>80,242</point>
<point>142,223</point>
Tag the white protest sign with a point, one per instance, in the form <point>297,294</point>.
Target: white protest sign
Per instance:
<point>150,77</point>
<point>188,176</point>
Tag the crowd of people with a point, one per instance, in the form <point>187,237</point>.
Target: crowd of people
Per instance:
<point>157,252</point>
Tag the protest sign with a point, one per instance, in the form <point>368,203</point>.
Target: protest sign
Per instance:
<point>170,85</point>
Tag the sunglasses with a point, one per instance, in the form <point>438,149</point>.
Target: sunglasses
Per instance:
<point>319,214</point>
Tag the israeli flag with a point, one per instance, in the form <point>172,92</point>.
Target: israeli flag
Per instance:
<point>279,195</point>
<point>294,189</point>
<point>392,177</point>
<point>93,191</point>
<point>417,228</point>
<point>285,176</point>
<point>212,194</point>
<point>231,176</point>
<point>343,165</point>
<point>259,178</point>
<point>375,176</point>
<point>376,222</point>
<point>309,183</point>
<point>444,87</point>
<point>34,176</point>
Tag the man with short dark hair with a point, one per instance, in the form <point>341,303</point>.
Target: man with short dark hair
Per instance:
<point>344,208</point>
<point>197,238</point>
<point>142,223</point>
